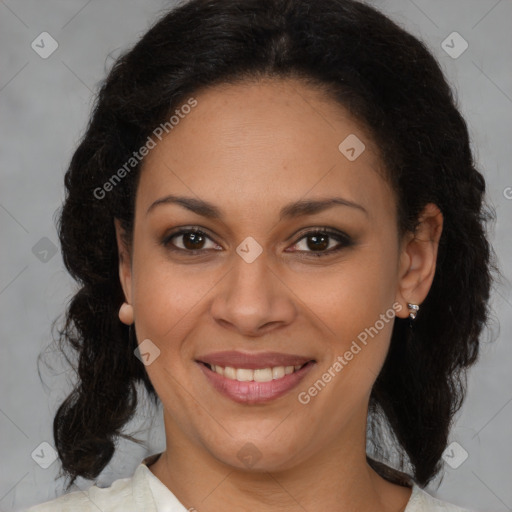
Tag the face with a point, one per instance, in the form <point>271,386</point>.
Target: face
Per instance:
<point>301,259</point>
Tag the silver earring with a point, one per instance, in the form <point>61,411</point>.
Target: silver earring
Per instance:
<point>413,310</point>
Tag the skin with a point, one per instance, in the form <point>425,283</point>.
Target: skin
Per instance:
<point>250,149</point>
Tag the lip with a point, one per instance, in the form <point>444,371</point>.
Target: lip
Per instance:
<point>251,392</point>
<point>252,361</point>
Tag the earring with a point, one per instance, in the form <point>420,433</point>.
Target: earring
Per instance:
<point>126,313</point>
<point>413,310</point>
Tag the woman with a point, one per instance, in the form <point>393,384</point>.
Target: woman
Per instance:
<point>278,229</point>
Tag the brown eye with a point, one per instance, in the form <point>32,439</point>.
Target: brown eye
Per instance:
<point>318,243</point>
<point>192,240</point>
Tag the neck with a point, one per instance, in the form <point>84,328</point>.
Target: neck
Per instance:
<point>336,478</point>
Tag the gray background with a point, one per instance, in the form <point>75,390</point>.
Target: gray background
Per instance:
<point>45,104</point>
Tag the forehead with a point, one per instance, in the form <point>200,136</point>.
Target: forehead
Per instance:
<point>253,140</point>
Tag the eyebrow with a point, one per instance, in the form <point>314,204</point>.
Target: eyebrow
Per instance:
<point>295,209</point>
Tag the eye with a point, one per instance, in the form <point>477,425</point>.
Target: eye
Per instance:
<point>193,240</point>
<point>318,242</point>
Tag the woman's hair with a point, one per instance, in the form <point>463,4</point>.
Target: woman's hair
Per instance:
<point>388,81</point>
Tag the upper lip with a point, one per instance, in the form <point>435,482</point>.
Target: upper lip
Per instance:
<point>252,361</point>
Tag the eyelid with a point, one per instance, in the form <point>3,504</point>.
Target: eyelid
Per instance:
<point>344,240</point>
<point>321,230</point>
<point>166,242</point>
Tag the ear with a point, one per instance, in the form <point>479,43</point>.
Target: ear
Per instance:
<point>125,268</point>
<point>418,258</point>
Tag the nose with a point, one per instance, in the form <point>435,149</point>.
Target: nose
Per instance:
<point>253,299</point>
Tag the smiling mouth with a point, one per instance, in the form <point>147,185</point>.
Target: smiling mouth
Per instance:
<point>254,375</point>
<point>251,386</point>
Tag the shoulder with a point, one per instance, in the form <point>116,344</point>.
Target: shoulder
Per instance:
<point>421,501</point>
<point>123,495</point>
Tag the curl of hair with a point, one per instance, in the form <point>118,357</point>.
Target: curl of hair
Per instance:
<point>390,82</point>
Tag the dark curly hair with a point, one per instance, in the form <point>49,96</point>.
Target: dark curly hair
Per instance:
<point>391,83</point>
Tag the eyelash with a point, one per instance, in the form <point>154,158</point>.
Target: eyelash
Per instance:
<point>343,239</point>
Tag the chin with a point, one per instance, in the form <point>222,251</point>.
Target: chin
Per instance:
<point>257,455</point>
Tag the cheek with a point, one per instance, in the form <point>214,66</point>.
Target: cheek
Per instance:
<point>355,307</point>
<point>343,298</point>
<point>164,296</point>
<point>351,296</point>
<point>354,303</point>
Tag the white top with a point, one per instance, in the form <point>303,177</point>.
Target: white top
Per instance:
<point>145,492</point>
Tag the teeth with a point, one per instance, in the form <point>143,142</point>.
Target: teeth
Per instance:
<point>259,375</point>
<point>229,372</point>
<point>278,372</point>
<point>244,375</point>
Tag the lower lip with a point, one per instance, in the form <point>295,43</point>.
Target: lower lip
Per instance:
<point>251,392</point>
